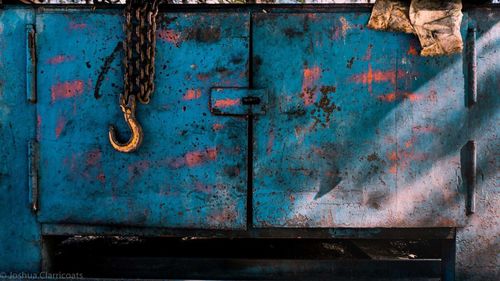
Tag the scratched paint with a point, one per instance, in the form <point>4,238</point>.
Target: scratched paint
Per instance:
<point>191,162</point>
<point>309,78</point>
<point>59,59</point>
<point>418,152</point>
<point>67,90</point>
<point>357,135</point>
<point>227,103</point>
<point>192,94</point>
<point>170,36</point>
<point>61,122</point>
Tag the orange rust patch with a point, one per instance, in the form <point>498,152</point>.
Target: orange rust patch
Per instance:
<point>192,94</point>
<point>61,122</point>
<point>60,59</point>
<point>74,25</point>
<point>170,36</point>
<point>345,26</point>
<point>388,97</point>
<point>196,158</point>
<point>393,169</point>
<point>310,76</point>
<point>217,126</point>
<point>203,76</point>
<point>311,16</point>
<point>393,156</point>
<point>67,90</point>
<point>368,54</point>
<point>412,51</point>
<point>101,177</point>
<point>340,31</point>
<point>412,97</point>
<point>226,102</point>
<point>409,143</point>
<point>377,76</point>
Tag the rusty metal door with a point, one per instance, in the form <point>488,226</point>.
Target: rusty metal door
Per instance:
<point>359,131</point>
<point>191,169</point>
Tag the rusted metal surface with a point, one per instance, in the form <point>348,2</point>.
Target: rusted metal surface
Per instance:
<point>191,173</point>
<point>360,131</point>
<point>362,105</point>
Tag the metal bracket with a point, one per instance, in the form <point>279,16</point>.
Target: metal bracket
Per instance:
<point>237,101</point>
<point>31,63</point>
<point>33,157</point>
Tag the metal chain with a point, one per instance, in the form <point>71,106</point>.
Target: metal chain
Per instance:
<point>139,61</point>
<point>139,47</point>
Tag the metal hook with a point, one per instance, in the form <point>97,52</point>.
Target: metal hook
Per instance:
<point>136,138</point>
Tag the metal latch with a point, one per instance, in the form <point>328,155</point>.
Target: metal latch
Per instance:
<point>237,101</point>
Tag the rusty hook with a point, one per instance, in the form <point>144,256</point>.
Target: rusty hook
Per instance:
<point>135,140</point>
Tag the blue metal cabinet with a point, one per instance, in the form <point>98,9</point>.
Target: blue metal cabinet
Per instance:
<point>190,171</point>
<point>359,131</point>
<point>353,127</point>
<point>350,128</point>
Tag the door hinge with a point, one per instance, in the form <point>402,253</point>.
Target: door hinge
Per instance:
<point>33,159</point>
<point>31,62</point>
<point>469,173</point>
<point>237,101</point>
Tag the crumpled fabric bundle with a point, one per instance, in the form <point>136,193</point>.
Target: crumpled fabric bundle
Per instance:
<point>435,22</point>
<point>391,15</point>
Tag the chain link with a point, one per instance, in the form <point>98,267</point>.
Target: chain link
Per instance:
<point>139,47</point>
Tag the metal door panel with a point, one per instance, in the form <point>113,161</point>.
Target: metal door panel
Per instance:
<point>360,131</point>
<point>19,231</point>
<point>190,171</point>
<point>432,128</point>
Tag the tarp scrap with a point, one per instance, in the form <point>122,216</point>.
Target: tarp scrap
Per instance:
<point>436,22</point>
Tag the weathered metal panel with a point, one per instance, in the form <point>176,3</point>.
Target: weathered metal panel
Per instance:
<point>360,131</point>
<point>19,231</point>
<point>478,243</point>
<point>190,171</point>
